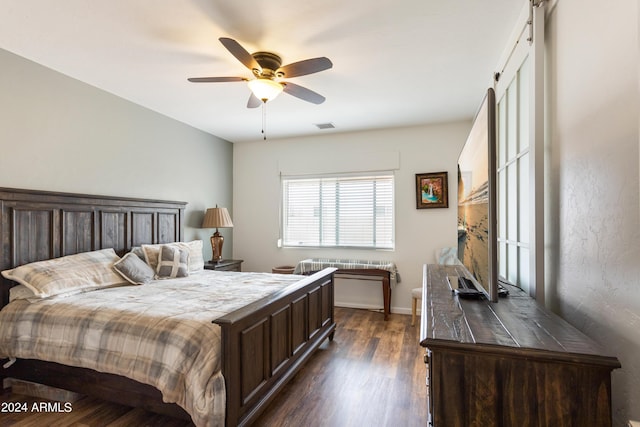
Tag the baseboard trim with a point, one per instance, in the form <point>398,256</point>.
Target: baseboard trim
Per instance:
<point>394,310</point>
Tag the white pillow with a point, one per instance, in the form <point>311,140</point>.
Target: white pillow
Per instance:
<point>71,273</point>
<point>196,260</point>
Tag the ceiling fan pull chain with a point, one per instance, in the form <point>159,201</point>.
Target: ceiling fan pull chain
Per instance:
<point>264,120</point>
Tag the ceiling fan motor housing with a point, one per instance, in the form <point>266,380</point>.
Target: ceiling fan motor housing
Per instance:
<point>269,62</point>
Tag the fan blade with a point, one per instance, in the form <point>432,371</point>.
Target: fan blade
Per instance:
<point>216,79</point>
<point>308,66</point>
<point>303,93</point>
<point>253,102</point>
<point>240,53</point>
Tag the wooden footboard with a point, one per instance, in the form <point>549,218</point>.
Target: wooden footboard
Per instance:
<point>264,344</point>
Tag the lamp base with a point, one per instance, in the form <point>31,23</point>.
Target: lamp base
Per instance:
<point>216,246</point>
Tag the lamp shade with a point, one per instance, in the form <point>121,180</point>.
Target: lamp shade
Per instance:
<point>265,89</point>
<point>217,218</point>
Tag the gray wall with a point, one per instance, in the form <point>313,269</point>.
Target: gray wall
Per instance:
<point>419,232</point>
<point>59,134</point>
<point>593,239</point>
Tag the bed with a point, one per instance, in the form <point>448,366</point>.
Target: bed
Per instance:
<point>262,344</point>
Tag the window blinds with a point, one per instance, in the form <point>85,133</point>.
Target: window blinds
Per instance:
<point>338,211</point>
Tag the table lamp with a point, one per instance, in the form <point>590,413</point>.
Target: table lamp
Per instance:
<point>216,218</point>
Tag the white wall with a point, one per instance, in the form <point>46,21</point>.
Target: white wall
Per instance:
<point>419,233</point>
<point>593,246</point>
<point>59,134</point>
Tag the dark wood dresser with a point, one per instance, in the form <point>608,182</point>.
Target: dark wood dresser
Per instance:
<point>510,363</point>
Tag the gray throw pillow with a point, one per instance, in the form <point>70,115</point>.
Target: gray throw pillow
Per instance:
<point>133,269</point>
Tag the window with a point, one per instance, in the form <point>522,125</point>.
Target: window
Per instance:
<point>338,211</point>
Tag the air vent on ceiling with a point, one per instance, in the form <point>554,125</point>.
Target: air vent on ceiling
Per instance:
<point>328,125</point>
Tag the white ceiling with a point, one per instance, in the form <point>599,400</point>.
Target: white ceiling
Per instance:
<point>395,62</point>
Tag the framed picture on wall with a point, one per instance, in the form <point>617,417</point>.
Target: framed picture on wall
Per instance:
<point>432,190</point>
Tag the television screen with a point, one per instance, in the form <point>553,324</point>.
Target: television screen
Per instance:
<point>477,244</point>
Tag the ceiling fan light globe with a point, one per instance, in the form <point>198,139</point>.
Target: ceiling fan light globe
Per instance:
<point>265,89</point>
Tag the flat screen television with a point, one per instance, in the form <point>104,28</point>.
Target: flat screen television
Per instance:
<point>477,224</point>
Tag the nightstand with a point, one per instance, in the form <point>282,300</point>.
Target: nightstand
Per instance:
<point>224,265</point>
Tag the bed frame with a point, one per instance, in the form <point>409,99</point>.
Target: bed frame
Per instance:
<point>263,344</point>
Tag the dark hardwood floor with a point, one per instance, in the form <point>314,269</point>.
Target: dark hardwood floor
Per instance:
<point>372,373</point>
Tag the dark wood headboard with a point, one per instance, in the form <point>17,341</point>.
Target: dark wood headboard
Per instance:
<point>39,225</point>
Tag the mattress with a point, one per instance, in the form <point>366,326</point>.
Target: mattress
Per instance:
<point>160,333</point>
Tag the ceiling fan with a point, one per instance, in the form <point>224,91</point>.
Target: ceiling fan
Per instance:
<point>268,71</point>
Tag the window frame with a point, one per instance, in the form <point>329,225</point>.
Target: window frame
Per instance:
<point>529,47</point>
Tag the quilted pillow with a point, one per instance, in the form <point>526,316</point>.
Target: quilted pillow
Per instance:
<point>134,269</point>
<point>196,260</point>
<point>72,273</point>
<point>172,262</point>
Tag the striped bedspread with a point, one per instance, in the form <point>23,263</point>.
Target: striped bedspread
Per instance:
<point>159,333</point>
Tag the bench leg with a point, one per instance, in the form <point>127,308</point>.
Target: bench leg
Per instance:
<point>386,295</point>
